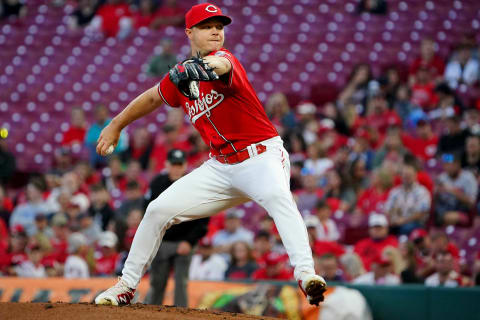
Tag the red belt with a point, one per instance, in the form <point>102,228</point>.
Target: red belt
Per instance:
<point>240,156</point>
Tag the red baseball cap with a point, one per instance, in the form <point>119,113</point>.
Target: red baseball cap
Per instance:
<point>204,11</point>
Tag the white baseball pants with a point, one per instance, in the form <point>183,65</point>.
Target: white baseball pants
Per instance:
<point>214,187</point>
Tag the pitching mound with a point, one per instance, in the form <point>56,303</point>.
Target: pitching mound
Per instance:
<point>88,311</point>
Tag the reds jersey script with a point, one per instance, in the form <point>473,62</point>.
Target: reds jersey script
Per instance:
<point>227,114</point>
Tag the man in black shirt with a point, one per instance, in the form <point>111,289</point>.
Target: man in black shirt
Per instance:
<point>176,248</point>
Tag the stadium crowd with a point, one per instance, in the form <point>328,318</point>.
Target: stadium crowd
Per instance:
<point>384,175</point>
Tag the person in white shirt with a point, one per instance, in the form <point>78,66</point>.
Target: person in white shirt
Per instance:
<point>206,265</point>
<point>327,228</point>
<point>233,232</point>
<point>380,275</point>
<point>75,265</point>
<point>445,276</point>
<point>408,204</point>
<point>464,69</point>
<point>32,268</point>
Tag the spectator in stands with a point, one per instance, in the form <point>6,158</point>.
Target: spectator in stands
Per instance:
<point>207,265</point>
<point>175,251</point>
<point>24,214</point>
<point>462,70</point>
<point>43,232</point>
<point>476,270</point>
<point>12,10</point>
<point>7,161</point>
<point>100,210</point>
<point>471,118</point>
<point>423,90</point>
<point>71,188</point>
<point>145,14</point>
<point>456,192</point>
<point>317,162</point>
<point>6,206</point>
<point>114,176</point>
<point>433,63</point>
<point>453,140</point>
<point>274,269</point>
<point>160,63</point>
<point>171,139</point>
<point>59,241</point>
<point>448,103</point>
<point>408,204</point>
<point>355,178</point>
<point>374,197</point>
<point>424,143</point>
<point>127,232</point>
<point>106,260</point>
<point>370,248</point>
<point>392,147</point>
<point>279,112</point>
<point>373,6</point>
<point>327,228</point>
<point>133,172</point>
<point>113,19</point>
<point>445,274</point>
<point>169,14</point>
<point>15,253</point>
<point>77,129</point>
<point>308,196</point>
<point>471,155</point>
<point>356,89</point>
<point>88,228</point>
<point>380,275</point>
<point>401,103</point>
<point>32,268</point>
<point>133,199</point>
<point>410,273</point>
<point>328,268</point>
<point>101,121</point>
<point>76,265</point>
<point>233,232</point>
<point>242,264</point>
<point>82,15</point>
<point>87,177</point>
<point>262,245</point>
<point>139,148</point>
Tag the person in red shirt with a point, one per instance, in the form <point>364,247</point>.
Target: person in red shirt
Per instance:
<point>428,59</point>
<point>248,161</point>
<point>423,90</point>
<point>107,259</point>
<point>145,14</point>
<point>170,14</point>
<point>424,144</point>
<point>370,248</point>
<point>76,132</point>
<point>274,269</point>
<point>379,116</point>
<point>374,197</point>
<point>111,17</point>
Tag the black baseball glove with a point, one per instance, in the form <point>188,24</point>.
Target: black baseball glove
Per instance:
<point>186,75</point>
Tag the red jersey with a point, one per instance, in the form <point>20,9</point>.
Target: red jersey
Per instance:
<point>421,148</point>
<point>228,114</point>
<point>369,249</point>
<point>283,274</point>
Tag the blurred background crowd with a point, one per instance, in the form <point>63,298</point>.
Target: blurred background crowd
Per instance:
<point>385,172</point>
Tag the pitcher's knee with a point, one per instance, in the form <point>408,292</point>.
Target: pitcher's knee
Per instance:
<point>159,211</point>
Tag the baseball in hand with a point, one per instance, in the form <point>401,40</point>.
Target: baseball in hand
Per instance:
<point>110,150</point>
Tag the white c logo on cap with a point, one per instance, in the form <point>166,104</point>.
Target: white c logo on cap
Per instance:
<point>211,8</point>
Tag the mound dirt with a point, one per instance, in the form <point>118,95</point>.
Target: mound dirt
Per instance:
<point>89,311</point>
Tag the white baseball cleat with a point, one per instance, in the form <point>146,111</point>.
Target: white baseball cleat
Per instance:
<point>313,287</point>
<point>119,294</point>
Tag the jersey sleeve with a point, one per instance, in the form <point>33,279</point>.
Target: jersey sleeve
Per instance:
<point>168,92</point>
<point>237,75</point>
